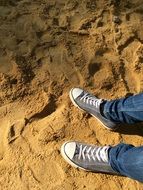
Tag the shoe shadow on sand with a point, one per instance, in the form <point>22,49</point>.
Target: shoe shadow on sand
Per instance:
<point>132,129</point>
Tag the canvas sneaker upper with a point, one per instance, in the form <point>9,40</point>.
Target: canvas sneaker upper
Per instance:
<point>91,104</point>
<point>87,157</point>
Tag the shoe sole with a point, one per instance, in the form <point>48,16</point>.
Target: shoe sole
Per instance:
<point>76,105</point>
<point>68,160</point>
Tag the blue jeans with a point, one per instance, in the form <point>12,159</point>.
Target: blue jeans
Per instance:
<point>124,158</point>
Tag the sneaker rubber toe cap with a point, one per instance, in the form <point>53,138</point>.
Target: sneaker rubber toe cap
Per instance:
<point>75,92</point>
<point>68,149</point>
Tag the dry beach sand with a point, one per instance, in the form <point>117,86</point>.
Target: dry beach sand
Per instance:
<point>46,48</point>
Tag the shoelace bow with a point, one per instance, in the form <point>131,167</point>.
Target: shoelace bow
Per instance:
<point>88,99</point>
<point>90,153</point>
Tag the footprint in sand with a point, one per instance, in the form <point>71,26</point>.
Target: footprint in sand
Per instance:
<point>69,70</point>
<point>9,133</point>
<point>59,65</point>
<point>53,126</point>
<point>14,130</point>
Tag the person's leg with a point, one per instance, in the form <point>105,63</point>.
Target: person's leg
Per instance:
<point>123,159</point>
<point>110,113</point>
<point>125,110</point>
<point>127,160</point>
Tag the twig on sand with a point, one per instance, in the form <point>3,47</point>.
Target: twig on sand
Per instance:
<point>79,32</point>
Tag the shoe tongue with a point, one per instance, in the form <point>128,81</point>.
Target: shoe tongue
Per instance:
<point>76,150</point>
<point>82,94</point>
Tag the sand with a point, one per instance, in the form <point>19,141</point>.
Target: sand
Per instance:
<point>46,48</point>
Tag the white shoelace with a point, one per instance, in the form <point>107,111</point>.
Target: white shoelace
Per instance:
<point>90,153</point>
<point>88,99</point>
